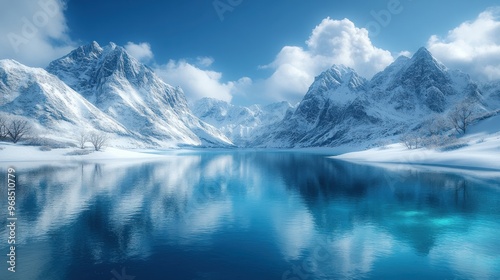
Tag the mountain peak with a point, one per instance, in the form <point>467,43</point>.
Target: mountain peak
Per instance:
<point>342,68</point>
<point>112,45</point>
<point>94,45</point>
<point>93,50</point>
<point>9,62</point>
<point>423,52</point>
<point>424,57</point>
<point>341,72</point>
<point>339,75</point>
<point>402,59</point>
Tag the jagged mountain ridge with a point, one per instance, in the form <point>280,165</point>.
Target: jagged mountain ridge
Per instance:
<point>342,109</point>
<point>132,94</point>
<point>126,98</point>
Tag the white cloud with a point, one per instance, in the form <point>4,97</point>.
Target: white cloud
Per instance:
<point>191,75</point>
<point>33,32</point>
<point>473,46</point>
<point>204,61</point>
<point>141,51</point>
<point>198,83</point>
<point>331,42</point>
<point>341,42</point>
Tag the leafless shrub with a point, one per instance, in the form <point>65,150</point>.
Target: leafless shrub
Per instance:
<point>412,140</point>
<point>98,140</point>
<point>17,129</point>
<point>83,138</point>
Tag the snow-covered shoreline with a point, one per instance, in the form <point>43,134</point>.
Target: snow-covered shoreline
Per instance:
<point>484,155</point>
<point>18,153</point>
<point>23,153</point>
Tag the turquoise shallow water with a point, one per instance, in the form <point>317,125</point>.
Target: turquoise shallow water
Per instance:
<point>250,215</point>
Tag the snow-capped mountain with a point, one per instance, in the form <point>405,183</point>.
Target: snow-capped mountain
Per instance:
<point>342,108</point>
<point>132,94</point>
<point>239,123</point>
<point>104,88</point>
<point>421,84</point>
<point>332,90</point>
<point>334,104</point>
<point>55,108</point>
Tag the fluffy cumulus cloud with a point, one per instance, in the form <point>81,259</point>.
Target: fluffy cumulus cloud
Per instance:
<point>331,42</point>
<point>141,51</point>
<point>341,42</point>
<point>198,83</point>
<point>473,46</point>
<point>292,71</point>
<point>33,32</point>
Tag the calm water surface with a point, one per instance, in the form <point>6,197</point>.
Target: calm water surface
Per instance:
<point>250,215</point>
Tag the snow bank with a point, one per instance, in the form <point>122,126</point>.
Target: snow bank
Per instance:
<point>18,153</point>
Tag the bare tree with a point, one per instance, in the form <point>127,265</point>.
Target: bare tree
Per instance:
<point>461,116</point>
<point>82,139</point>
<point>3,128</point>
<point>412,140</point>
<point>405,138</point>
<point>17,129</point>
<point>98,140</point>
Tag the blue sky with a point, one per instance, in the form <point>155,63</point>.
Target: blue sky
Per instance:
<point>258,51</point>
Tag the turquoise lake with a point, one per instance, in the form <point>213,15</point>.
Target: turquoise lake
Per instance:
<point>250,215</point>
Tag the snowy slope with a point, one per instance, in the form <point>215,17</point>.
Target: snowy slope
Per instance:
<point>241,124</point>
<point>134,96</point>
<point>341,108</point>
<point>54,107</point>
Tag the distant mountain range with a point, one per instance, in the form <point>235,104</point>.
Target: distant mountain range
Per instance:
<point>105,89</point>
<point>240,124</point>
<point>343,109</point>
